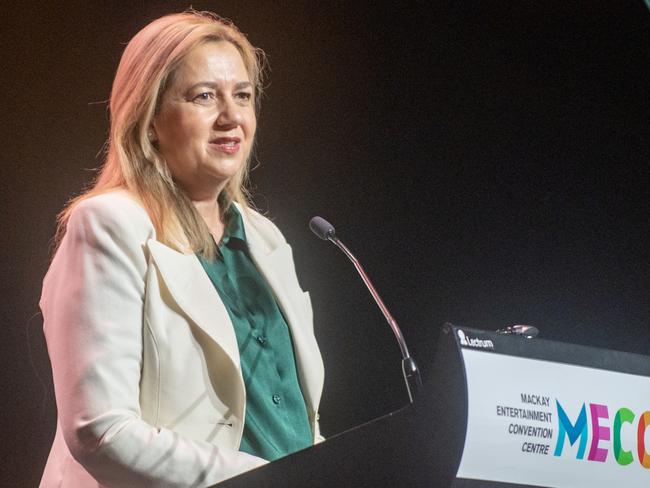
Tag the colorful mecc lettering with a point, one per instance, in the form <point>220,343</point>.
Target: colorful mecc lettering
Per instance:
<point>600,432</point>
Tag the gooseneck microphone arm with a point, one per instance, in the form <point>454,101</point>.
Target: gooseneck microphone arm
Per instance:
<point>324,230</point>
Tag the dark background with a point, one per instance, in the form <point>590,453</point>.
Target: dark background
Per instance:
<point>487,162</point>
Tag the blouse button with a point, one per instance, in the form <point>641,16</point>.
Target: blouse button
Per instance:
<point>276,399</point>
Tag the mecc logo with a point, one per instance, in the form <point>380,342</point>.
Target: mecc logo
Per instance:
<point>578,431</point>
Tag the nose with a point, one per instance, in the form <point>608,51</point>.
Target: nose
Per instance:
<point>230,114</point>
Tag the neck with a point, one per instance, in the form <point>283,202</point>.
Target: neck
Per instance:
<point>210,210</point>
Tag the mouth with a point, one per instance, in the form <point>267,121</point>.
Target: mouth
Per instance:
<point>228,145</point>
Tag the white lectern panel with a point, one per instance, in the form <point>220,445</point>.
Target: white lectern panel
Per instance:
<point>550,424</point>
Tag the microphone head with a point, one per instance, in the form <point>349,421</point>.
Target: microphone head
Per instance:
<point>322,228</point>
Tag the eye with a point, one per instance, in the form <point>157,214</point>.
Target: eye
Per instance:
<point>204,97</point>
<point>244,96</point>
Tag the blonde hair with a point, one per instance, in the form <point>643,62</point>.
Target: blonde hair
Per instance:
<point>132,162</point>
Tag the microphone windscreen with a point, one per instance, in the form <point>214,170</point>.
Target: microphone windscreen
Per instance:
<point>321,227</point>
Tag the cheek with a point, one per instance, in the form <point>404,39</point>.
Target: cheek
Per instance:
<point>179,133</point>
<point>182,126</point>
<point>165,126</point>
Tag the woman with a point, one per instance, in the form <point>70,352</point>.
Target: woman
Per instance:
<point>182,346</point>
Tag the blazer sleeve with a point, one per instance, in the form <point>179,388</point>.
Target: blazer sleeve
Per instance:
<point>92,304</point>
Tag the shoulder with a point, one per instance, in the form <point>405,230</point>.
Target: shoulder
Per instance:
<point>116,205</point>
<point>107,223</point>
<point>261,228</point>
<point>117,213</point>
<point>105,234</point>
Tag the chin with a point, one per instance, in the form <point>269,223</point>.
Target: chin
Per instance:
<point>223,174</point>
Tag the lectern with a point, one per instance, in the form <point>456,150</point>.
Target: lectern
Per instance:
<point>498,411</point>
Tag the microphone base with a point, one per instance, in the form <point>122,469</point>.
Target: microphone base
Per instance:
<point>411,377</point>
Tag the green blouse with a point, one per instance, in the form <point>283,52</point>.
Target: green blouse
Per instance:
<point>276,416</point>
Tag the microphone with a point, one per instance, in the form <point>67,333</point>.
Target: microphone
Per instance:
<point>324,230</point>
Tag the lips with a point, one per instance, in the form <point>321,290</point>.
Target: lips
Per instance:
<point>228,145</point>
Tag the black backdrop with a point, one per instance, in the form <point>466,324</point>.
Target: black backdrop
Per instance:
<point>487,161</point>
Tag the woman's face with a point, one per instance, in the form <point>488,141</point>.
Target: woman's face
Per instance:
<point>206,122</point>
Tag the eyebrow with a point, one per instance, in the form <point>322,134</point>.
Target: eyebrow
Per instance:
<point>211,84</point>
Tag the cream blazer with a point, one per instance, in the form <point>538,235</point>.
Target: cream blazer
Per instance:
<point>145,361</point>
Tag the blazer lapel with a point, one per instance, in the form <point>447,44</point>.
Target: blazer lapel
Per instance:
<point>192,290</point>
